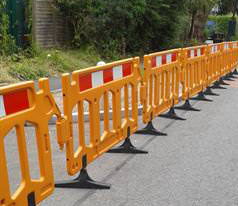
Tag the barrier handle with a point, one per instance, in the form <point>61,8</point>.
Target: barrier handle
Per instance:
<point>60,123</point>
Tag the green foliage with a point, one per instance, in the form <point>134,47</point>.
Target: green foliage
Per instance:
<point>221,23</point>
<point>227,6</point>
<point>121,27</point>
<point>31,64</point>
<point>7,43</point>
<point>27,73</point>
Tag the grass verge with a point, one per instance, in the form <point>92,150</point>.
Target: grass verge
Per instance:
<point>45,63</point>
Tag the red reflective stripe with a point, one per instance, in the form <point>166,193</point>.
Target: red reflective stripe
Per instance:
<point>153,61</point>
<point>126,69</point>
<point>164,61</point>
<point>107,75</point>
<point>195,52</point>
<point>16,101</point>
<point>174,57</point>
<point>85,82</point>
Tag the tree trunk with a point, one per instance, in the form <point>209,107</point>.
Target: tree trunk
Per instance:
<point>190,35</point>
<point>200,23</point>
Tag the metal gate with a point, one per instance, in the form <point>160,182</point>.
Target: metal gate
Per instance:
<point>16,12</point>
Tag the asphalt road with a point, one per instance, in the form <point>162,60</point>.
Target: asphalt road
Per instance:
<point>195,165</point>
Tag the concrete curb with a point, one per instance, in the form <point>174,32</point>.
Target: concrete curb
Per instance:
<point>86,114</point>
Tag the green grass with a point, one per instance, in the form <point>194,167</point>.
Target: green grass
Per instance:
<point>45,63</point>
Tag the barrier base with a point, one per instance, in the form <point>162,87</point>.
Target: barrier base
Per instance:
<point>235,72</point>
<point>83,181</point>
<point>149,129</point>
<point>217,85</point>
<point>201,97</point>
<point>231,75</point>
<point>209,91</point>
<point>221,81</point>
<point>127,147</point>
<point>227,77</point>
<point>188,107</point>
<point>171,115</point>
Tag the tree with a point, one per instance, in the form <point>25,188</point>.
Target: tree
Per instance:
<point>120,27</point>
<point>198,11</point>
<point>227,6</point>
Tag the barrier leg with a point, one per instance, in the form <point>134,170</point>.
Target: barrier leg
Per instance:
<point>171,114</point>
<point>127,147</point>
<point>217,85</point>
<point>231,75</point>
<point>209,91</point>
<point>221,81</point>
<point>201,97</point>
<point>149,129</point>
<point>228,78</point>
<point>235,72</point>
<point>83,181</point>
<point>187,106</point>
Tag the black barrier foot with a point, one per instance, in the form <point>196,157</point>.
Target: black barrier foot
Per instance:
<point>201,97</point>
<point>187,106</point>
<point>230,75</point>
<point>209,91</point>
<point>217,85</point>
<point>171,115</point>
<point>235,72</point>
<point>228,78</point>
<point>83,181</point>
<point>127,147</point>
<point>149,129</point>
<point>221,81</point>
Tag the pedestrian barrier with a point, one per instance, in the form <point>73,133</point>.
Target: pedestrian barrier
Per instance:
<point>19,104</point>
<point>228,58</point>
<point>193,71</point>
<point>189,71</point>
<point>160,89</point>
<point>234,54</point>
<point>90,85</point>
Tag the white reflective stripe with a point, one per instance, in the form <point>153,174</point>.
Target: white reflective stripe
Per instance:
<point>117,72</point>
<point>192,53</point>
<point>2,107</point>
<point>97,78</point>
<point>199,52</point>
<point>214,49</point>
<point>158,61</point>
<point>168,58</point>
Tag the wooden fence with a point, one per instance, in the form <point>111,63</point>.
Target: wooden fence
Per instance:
<point>49,28</point>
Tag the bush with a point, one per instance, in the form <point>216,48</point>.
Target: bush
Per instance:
<point>122,27</point>
<point>7,42</point>
<point>222,23</point>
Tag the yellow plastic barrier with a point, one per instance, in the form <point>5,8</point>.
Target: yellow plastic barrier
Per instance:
<point>160,90</point>
<point>228,49</point>
<point>193,71</point>
<point>216,64</point>
<point>89,85</point>
<point>234,54</point>
<point>19,104</point>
